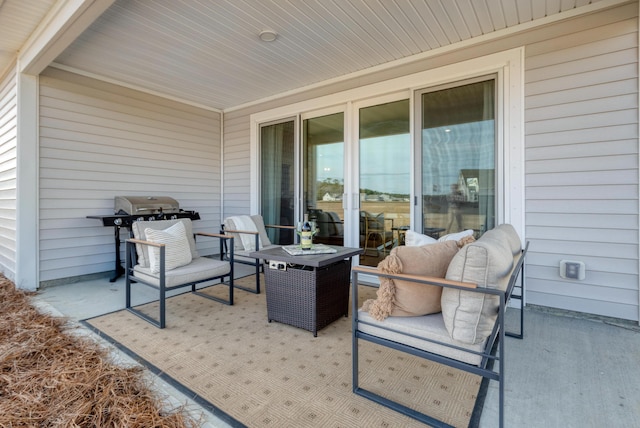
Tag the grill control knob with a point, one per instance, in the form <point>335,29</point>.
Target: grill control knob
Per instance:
<point>117,222</point>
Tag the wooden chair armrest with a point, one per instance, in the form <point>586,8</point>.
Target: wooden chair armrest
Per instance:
<point>250,232</point>
<point>277,226</point>
<point>214,235</point>
<point>430,279</point>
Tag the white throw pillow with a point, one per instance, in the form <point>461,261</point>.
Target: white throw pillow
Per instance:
<point>177,251</point>
<point>415,239</point>
<point>456,236</point>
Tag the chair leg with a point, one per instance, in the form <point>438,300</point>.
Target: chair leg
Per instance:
<point>229,301</point>
<point>354,364</point>
<point>127,290</point>
<point>163,296</point>
<point>258,264</point>
<point>160,323</point>
<point>256,290</point>
<point>127,271</point>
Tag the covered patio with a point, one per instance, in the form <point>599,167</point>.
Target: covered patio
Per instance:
<point>570,370</point>
<point>102,98</point>
<point>108,98</point>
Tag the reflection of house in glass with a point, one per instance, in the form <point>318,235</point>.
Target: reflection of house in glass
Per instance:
<point>478,187</point>
<point>329,197</point>
<point>472,188</point>
<point>477,184</point>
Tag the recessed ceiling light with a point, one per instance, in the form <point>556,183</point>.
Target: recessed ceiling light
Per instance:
<point>268,35</point>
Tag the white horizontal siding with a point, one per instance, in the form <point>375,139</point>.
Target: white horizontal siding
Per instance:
<point>98,141</point>
<point>586,221</point>
<point>8,194</point>
<point>600,266</point>
<point>582,165</point>
<point>565,297</point>
<point>236,164</point>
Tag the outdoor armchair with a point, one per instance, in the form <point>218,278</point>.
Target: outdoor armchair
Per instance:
<point>250,235</point>
<point>465,326</point>
<point>162,255</point>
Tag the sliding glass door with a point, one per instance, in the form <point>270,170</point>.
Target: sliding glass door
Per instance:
<point>368,189</point>
<point>323,175</point>
<point>384,179</point>
<point>278,178</point>
<point>314,170</point>
<point>457,130</point>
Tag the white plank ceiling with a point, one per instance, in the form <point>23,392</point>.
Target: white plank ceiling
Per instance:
<point>208,53</point>
<point>18,19</point>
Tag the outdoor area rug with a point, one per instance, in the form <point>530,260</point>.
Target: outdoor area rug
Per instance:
<point>250,372</point>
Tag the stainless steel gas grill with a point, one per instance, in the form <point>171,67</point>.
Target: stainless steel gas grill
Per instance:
<point>128,209</point>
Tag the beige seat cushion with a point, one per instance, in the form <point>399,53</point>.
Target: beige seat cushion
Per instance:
<point>414,330</point>
<point>199,269</point>
<point>469,317</point>
<point>405,298</point>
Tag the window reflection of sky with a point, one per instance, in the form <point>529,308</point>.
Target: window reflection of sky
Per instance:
<point>330,163</point>
<point>447,150</point>
<point>384,167</point>
<point>385,164</point>
<point>385,161</point>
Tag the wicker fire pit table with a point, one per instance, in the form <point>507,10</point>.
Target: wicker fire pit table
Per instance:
<point>307,291</point>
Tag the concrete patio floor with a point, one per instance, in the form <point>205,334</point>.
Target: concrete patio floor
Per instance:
<point>570,370</point>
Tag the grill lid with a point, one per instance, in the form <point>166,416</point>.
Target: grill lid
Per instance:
<point>134,205</point>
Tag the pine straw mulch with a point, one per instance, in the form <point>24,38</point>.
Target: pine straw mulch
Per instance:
<point>50,378</point>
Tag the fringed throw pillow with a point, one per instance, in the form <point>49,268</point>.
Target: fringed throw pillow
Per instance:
<point>406,298</point>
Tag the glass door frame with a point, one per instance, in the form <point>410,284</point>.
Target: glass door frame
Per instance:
<point>256,160</point>
<point>499,147</point>
<point>354,212</point>
<point>300,208</point>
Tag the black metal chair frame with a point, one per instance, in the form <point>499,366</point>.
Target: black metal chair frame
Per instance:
<point>224,254</point>
<point>131,260</point>
<point>489,357</point>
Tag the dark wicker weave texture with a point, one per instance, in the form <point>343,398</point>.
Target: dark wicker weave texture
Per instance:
<point>308,299</point>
